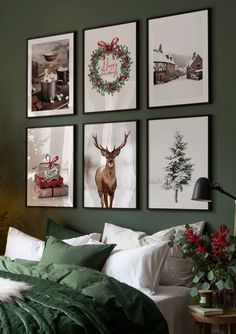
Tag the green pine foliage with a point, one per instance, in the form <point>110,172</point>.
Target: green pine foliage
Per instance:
<point>104,86</point>
<point>179,168</point>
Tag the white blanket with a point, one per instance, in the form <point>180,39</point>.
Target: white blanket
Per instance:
<point>9,290</point>
<point>173,303</point>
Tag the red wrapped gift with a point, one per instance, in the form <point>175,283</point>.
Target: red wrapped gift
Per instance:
<point>51,192</point>
<point>49,169</point>
<point>60,191</point>
<point>43,183</point>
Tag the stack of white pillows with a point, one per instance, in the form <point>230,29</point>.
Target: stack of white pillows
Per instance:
<point>139,260</point>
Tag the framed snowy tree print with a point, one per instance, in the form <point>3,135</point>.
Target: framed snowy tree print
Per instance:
<point>178,59</point>
<point>110,68</point>
<point>177,157</point>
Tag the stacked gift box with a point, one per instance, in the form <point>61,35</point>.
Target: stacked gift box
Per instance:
<point>48,181</point>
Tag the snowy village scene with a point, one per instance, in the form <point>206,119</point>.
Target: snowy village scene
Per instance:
<point>178,59</point>
<point>178,156</point>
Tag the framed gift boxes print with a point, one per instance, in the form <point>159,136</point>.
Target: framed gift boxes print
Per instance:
<point>178,59</point>
<point>50,166</point>
<point>110,68</point>
<point>50,89</point>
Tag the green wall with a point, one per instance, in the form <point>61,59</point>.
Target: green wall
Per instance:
<point>20,20</point>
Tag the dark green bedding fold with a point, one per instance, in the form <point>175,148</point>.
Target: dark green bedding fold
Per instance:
<point>72,299</point>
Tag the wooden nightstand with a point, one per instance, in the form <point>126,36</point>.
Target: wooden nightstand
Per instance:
<point>223,320</point>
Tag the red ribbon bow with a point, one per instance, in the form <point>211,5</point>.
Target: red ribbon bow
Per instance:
<point>49,161</point>
<point>107,46</point>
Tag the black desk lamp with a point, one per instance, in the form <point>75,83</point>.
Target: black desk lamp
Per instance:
<point>202,192</point>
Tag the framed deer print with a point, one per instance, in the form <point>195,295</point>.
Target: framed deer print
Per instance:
<point>178,59</point>
<point>50,166</point>
<point>177,157</point>
<point>110,68</point>
<point>110,171</point>
<point>51,76</point>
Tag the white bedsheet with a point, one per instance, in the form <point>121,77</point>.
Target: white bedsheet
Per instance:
<point>172,301</point>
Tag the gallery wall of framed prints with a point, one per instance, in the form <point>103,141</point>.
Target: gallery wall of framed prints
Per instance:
<point>177,74</point>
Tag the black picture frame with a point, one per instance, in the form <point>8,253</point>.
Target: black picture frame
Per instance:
<point>178,154</point>
<point>176,75</point>
<point>50,170</point>
<point>50,75</point>
<point>115,48</point>
<point>102,143</point>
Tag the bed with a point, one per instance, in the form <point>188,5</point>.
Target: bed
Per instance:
<point>89,284</point>
<point>74,299</point>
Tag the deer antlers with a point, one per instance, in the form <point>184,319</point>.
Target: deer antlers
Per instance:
<point>115,151</point>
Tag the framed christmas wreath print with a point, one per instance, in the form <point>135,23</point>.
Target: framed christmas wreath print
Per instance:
<point>177,157</point>
<point>50,166</point>
<point>110,160</point>
<point>178,59</point>
<point>110,68</point>
<point>50,87</point>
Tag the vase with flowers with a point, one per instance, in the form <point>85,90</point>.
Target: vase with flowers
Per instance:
<point>214,257</point>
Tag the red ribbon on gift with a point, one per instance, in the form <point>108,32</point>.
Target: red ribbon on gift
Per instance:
<point>49,161</point>
<point>107,46</point>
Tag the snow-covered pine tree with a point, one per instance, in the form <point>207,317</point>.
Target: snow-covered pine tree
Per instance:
<point>179,168</point>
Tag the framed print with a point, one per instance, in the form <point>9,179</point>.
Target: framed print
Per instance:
<point>110,68</point>
<point>50,87</point>
<point>177,157</point>
<point>110,165</point>
<point>50,166</point>
<point>178,59</point>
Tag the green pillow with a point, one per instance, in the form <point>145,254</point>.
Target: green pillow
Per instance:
<point>59,231</point>
<point>91,256</point>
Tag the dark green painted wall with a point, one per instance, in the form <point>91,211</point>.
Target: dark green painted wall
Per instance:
<point>20,20</point>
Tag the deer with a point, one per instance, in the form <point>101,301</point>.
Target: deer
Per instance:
<point>105,176</point>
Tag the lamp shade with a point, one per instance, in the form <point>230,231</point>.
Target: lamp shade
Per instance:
<point>202,190</point>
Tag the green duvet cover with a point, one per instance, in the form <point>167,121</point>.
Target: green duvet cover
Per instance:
<point>71,299</point>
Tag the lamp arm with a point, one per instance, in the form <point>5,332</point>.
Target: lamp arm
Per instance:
<point>220,189</point>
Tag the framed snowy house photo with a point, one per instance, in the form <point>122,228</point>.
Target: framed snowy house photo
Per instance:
<point>177,157</point>
<point>178,59</point>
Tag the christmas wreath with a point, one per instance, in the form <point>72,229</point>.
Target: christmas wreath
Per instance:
<point>119,52</point>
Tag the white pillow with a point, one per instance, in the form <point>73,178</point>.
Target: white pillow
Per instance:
<point>22,246</point>
<point>176,270</point>
<point>83,240</point>
<point>124,238</point>
<point>138,267</point>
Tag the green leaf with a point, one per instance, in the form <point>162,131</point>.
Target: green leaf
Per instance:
<point>193,292</point>
<point>200,274</point>
<point>206,286</point>
<point>220,285</point>
<point>210,275</point>
<point>229,284</point>
<point>196,279</point>
<point>230,248</point>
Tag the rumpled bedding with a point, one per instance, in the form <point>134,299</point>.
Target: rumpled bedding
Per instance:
<point>73,299</point>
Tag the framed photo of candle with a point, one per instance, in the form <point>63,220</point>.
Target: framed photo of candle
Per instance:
<point>110,68</point>
<point>50,88</point>
<point>50,166</point>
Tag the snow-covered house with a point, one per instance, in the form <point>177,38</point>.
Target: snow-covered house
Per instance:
<point>163,65</point>
<point>194,68</point>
